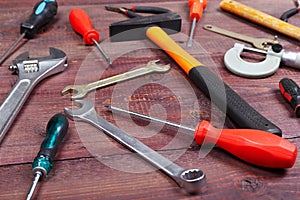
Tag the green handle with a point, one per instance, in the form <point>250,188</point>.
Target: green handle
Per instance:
<point>57,128</point>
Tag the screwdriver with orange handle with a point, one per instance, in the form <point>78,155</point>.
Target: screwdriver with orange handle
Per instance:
<point>196,10</point>
<point>82,24</point>
<point>257,147</point>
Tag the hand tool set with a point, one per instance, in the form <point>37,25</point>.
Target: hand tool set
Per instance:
<point>256,141</point>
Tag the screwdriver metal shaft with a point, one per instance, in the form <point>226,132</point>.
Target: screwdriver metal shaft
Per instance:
<point>190,42</point>
<point>108,60</point>
<point>11,48</point>
<point>148,117</point>
<point>37,177</point>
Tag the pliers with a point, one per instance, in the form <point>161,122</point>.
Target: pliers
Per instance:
<point>132,12</point>
<point>291,12</point>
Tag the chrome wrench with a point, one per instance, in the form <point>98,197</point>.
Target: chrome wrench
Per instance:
<point>82,90</point>
<point>30,71</point>
<point>191,180</point>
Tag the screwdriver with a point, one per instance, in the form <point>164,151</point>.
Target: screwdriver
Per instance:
<point>43,13</point>
<point>82,24</point>
<point>257,147</point>
<point>291,92</point>
<point>57,128</point>
<point>196,10</point>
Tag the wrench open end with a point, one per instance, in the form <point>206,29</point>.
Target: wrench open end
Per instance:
<point>192,180</point>
<point>76,90</point>
<point>84,107</point>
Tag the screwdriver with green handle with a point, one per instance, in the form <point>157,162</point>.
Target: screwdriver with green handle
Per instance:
<point>257,147</point>
<point>57,128</point>
<point>43,13</point>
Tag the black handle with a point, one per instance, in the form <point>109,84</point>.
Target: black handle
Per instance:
<point>42,14</point>
<point>288,14</point>
<point>228,100</point>
<point>291,92</point>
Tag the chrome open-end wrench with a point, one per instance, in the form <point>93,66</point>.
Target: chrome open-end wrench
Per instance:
<point>191,180</point>
<point>81,91</point>
<point>30,71</point>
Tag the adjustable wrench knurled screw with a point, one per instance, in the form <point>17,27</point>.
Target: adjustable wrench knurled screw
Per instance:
<point>191,180</point>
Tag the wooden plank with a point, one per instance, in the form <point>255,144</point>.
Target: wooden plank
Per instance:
<point>92,166</point>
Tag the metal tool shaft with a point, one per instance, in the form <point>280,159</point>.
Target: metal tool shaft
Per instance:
<point>191,180</point>
<point>190,42</point>
<point>11,48</point>
<point>108,60</point>
<point>149,118</point>
<point>37,177</point>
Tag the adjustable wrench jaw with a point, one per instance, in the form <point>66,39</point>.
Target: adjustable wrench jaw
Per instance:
<point>30,72</point>
<point>33,68</point>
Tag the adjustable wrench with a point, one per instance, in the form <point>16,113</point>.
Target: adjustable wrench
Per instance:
<point>30,71</point>
<point>191,180</point>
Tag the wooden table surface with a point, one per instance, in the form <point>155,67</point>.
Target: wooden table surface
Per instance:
<point>92,166</point>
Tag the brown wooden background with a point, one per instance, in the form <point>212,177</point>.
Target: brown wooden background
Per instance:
<point>91,166</point>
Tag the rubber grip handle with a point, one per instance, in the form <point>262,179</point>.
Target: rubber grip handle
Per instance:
<point>43,13</point>
<point>230,102</point>
<point>260,18</point>
<point>284,17</point>
<point>82,24</point>
<point>57,129</point>
<point>291,92</point>
<point>253,146</point>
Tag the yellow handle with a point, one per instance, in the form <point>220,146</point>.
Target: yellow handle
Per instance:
<point>261,18</point>
<point>163,40</point>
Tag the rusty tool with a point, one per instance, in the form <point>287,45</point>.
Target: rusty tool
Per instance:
<point>260,18</point>
<point>220,93</point>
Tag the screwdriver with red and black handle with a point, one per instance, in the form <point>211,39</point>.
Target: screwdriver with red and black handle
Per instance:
<point>291,92</point>
<point>57,128</point>
<point>43,13</point>
<point>257,147</point>
<point>82,24</point>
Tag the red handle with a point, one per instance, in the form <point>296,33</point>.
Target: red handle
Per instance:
<point>253,146</point>
<point>196,8</point>
<point>82,24</point>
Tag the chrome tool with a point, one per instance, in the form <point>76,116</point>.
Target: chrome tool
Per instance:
<point>191,180</point>
<point>30,71</point>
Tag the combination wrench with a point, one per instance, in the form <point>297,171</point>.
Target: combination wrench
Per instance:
<point>81,91</point>
<point>191,180</point>
<point>30,72</point>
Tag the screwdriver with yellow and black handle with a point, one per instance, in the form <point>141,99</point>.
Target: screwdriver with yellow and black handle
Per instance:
<point>43,13</point>
<point>57,128</point>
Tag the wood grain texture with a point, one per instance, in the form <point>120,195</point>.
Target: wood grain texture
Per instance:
<point>92,166</point>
